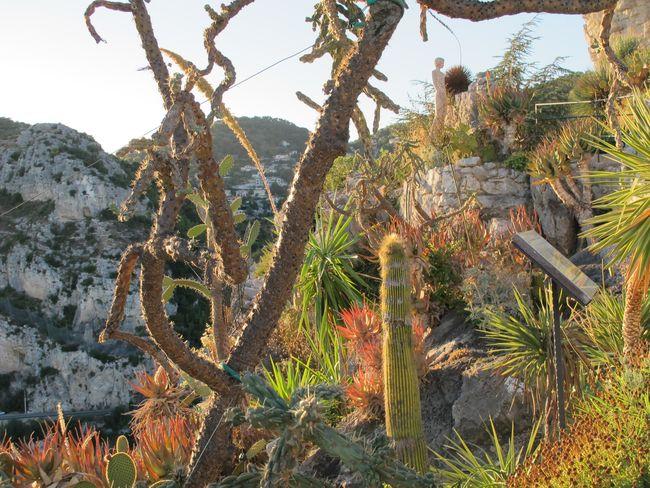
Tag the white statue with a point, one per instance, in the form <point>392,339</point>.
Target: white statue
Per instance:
<point>438,78</point>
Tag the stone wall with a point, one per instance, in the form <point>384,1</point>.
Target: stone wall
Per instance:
<point>496,188</point>
<point>631,19</point>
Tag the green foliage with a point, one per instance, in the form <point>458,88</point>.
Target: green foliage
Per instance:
<point>514,67</point>
<point>463,141</point>
<point>517,161</point>
<point>443,278</point>
<point>464,466</point>
<point>607,444</point>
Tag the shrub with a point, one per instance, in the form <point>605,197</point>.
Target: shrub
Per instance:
<point>607,445</point>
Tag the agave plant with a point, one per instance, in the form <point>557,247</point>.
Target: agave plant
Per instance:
<point>623,230</point>
<point>165,447</point>
<point>85,453</point>
<point>552,162</point>
<point>503,111</point>
<point>162,400</point>
<point>40,462</point>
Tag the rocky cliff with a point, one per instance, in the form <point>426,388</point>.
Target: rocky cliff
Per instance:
<point>60,243</point>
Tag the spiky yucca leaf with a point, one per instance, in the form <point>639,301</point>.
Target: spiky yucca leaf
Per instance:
<point>472,467</point>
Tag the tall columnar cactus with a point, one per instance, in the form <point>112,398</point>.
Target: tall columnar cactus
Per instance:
<point>401,391</point>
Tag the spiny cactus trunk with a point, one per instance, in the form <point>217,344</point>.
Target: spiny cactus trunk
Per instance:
<point>401,391</point>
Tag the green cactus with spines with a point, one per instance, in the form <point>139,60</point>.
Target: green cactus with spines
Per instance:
<point>84,484</point>
<point>121,471</point>
<point>297,423</point>
<point>122,444</point>
<point>401,390</point>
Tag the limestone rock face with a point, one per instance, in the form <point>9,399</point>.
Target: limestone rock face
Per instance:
<point>44,374</point>
<point>58,260</point>
<point>54,162</point>
<point>558,223</point>
<point>497,189</point>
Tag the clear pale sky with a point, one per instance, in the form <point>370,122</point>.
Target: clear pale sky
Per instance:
<point>52,70</point>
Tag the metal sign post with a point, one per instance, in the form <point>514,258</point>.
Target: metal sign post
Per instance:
<point>564,276</point>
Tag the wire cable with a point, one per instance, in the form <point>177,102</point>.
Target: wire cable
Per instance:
<point>239,83</point>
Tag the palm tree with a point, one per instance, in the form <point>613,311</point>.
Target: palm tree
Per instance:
<point>623,231</point>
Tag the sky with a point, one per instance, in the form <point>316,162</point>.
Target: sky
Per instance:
<point>53,71</point>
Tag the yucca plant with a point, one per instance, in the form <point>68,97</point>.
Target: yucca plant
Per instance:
<point>328,281</point>
<point>623,229</point>
<point>521,346</point>
<point>469,467</point>
<point>602,321</point>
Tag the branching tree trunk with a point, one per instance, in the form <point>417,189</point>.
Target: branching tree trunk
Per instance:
<point>184,138</point>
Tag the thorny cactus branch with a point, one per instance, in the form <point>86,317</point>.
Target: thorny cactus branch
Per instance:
<point>152,51</point>
<point>148,347</point>
<point>362,130</point>
<point>308,101</point>
<point>228,119</point>
<point>212,186</point>
<point>219,23</point>
<point>128,262</point>
<point>117,6</point>
<point>619,72</point>
<point>164,335</point>
<point>327,142</point>
<point>478,10</point>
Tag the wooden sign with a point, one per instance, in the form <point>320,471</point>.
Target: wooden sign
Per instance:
<point>566,274</point>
